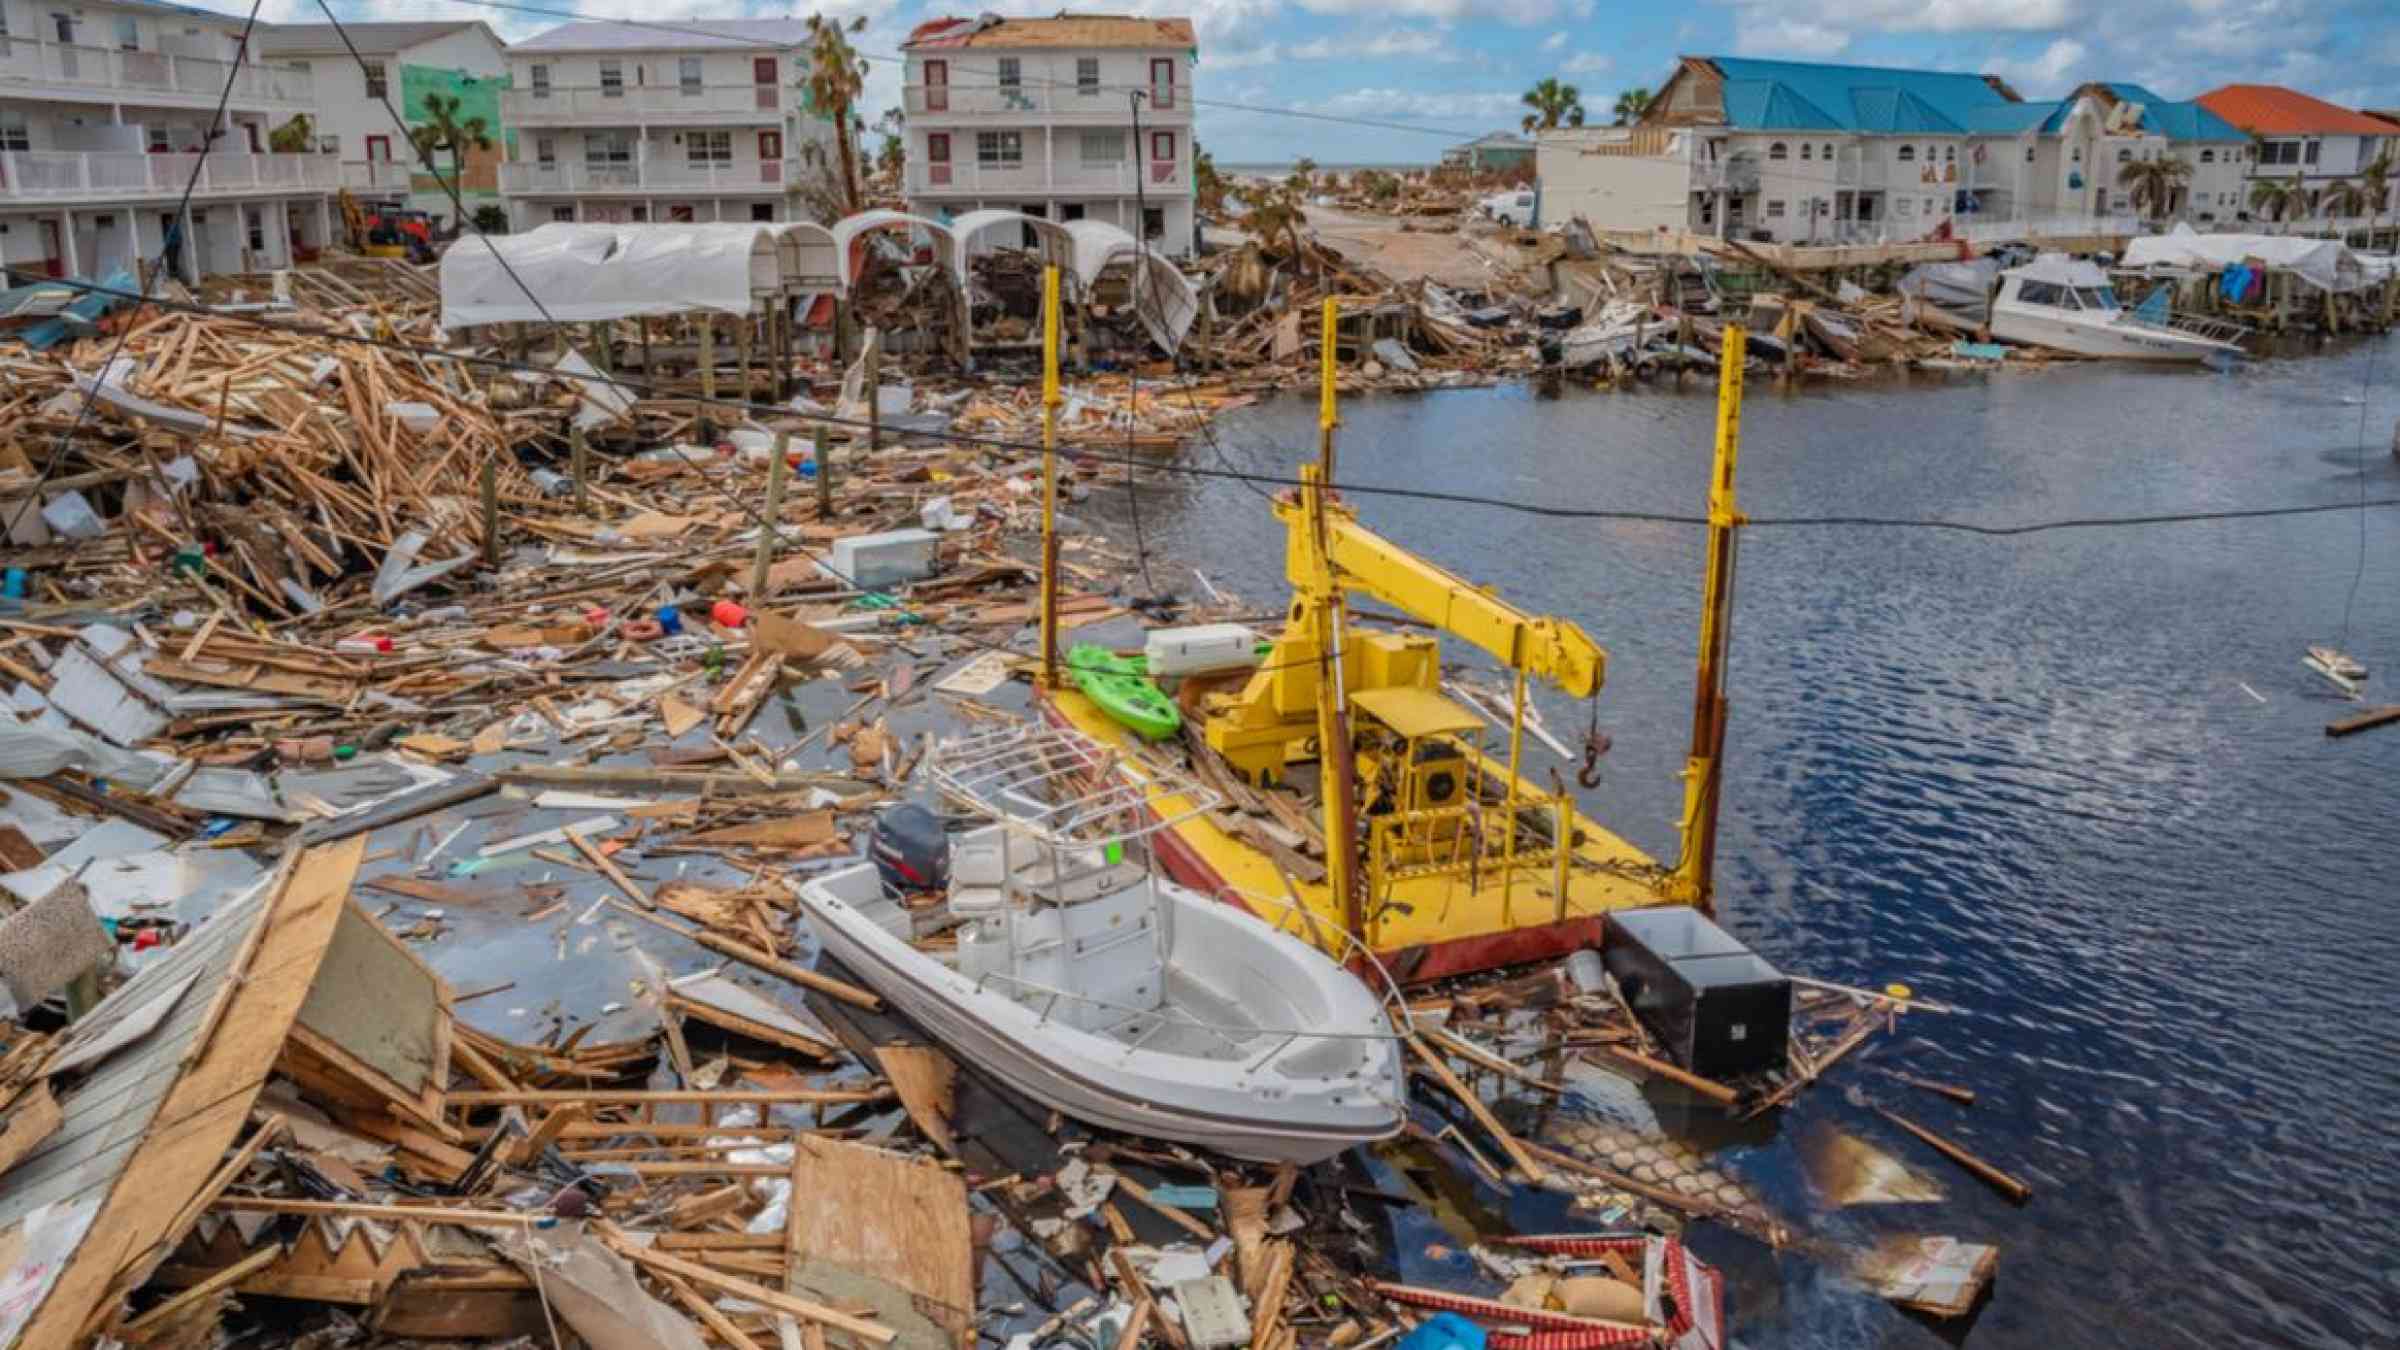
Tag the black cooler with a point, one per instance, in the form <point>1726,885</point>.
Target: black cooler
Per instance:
<point>1719,1008</point>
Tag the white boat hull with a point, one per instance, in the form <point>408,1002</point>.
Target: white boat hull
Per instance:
<point>1248,1107</point>
<point>2041,326</point>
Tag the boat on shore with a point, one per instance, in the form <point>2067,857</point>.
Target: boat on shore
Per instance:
<point>1089,982</point>
<point>2068,305</point>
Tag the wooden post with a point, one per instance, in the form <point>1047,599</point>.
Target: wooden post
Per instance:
<point>491,510</point>
<point>824,449</point>
<point>603,352</point>
<point>742,346</point>
<point>708,356</point>
<point>649,370</point>
<point>766,536</point>
<point>875,391</point>
<point>1050,402</point>
<point>576,461</point>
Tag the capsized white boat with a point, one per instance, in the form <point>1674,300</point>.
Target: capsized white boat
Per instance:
<point>1086,980</point>
<point>2068,304</point>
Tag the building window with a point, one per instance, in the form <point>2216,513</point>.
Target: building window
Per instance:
<point>563,213</point>
<point>377,89</point>
<point>1908,154</point>
<point>1928,207</point>
<point>1949,154</point>
<point>604,148</point>
<point>1154,222</point>
<point>612,79</point>
<point>762,210</point>
<point>1901,205</point>
<point>2312,151</point>
<point>129,34</point>
<point>1774,208</point>
<point>545,150</point>
<point>1779,151</point>
<point>999,149</point>
<point>13,134</point>
<point>2280,152</point>
<point>2124,156</point>
<point>1104,147</point>
<point>2077,156</point>
<point>1826,150</point>
<point>1805,147</point>
<point>2208,156</point>
<point>538,76</point>
<point>2029,154</point>
<point>708,147</point>
<point>329,145</point>
<point>256,222</point>
<point>1087,75</point>
<point>687,75</point>
<point>1012,73</point>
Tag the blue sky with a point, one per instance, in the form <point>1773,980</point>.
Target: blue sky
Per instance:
<point>1455,68</point>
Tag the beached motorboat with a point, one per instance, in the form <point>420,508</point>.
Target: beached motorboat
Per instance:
<point>1088,981</point>
<point>2068,304</point>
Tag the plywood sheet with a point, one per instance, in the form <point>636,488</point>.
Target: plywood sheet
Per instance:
<point>374,1000</point>
<point>890,1219</point>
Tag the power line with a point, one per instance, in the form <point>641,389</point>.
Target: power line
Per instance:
<point>58,452</point>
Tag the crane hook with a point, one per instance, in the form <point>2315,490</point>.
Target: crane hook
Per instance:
<point>1595,744</point>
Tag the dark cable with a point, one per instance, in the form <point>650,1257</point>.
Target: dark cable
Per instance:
<point>208,141</point>
<point>1133,369</point>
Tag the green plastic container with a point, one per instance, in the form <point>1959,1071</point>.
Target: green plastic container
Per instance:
<point>1122,686</point>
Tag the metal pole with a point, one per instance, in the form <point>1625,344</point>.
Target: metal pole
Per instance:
<point>875,391</point>
<point>824,449</point>
<point>1693,878</point>
<point>491,510</point>
<point>708,357</point>
<point>1516,759</point>
<point>1050,402</point>
<point>766,535</point>
<point>577,461</point>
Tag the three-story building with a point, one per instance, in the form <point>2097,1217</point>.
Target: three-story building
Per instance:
<point>1072,117</point>
<point>620,122</point>
<point>105,109</point>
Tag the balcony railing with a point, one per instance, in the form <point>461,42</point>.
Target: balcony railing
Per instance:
<point>1056,100</point>
<point>52,175</point>
<point>376,175</point>
<point>749,175</point>
<point>1738,173</point>
<point>2046,227</point>
<point>631,104</point>
<point>150,74</point>
<point>1030,176</point>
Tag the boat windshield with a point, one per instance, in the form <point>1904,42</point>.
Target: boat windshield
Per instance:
<point>2096,297</point>
<point>2044,293</point>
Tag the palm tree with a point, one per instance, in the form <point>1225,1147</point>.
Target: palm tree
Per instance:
<point>2343,198</point>
<point>443,131</point>
<point>1208,186</point>
<point>1554,105</point>
<point>1304,173</point>
<point>296,137</point>
<point>837,74</point>
<point>1274,213</point>
<point>1631,105</point>
<point>2276,197</point>
<point>2152,183</point>
<point>2376,181</point>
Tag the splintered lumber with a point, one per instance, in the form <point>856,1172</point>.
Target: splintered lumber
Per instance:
<point>766,961</point>
<point>1707,1087</point>
<point>1476,1054</point>
<point>188,1300</point>
<point>890,1219</point>
<point>1483,1115</point>
<point>926,1080</point>
<point>674,1096</point>
<point>615,874</point>
<point>659,1262</point>
<point>2373,717</point>
<point>1162,1209</point>
<point>2015,1189</point>
<point>346,1209</point>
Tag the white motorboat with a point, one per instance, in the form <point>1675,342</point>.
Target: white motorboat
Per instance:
<point>2066,303</point>
<point>1089,982</point>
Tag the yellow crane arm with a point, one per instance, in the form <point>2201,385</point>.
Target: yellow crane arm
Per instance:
<point>1363,562</point>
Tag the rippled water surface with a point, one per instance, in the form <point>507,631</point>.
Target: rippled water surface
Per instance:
<point>2021,774</point>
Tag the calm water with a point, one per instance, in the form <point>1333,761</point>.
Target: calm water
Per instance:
<point>2022,775</point>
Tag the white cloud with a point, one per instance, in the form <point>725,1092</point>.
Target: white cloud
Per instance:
<point>2047,72</point>
<point>1849,17</point>
<point>1788,37</point>
<point>1411,42</point>
<point>1555,41</point>
<point>1518,12</point>
<point>1216,59</point>
<point>1587,63</point>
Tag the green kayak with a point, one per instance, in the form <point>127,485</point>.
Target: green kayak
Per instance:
<point>1122,686</point>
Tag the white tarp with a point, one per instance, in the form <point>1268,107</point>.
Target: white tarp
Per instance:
<point>1163,297</point>
<point>581,273</point>
<point>1057,243</point>
<point>847,231</point>
<point>811,260</point>
<point>2326,264</point>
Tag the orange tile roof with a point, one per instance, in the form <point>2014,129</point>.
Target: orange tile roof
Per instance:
<point>2275,110</point>
<point>1062,30</point>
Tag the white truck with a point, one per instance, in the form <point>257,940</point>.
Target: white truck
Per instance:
<point>1510,208</point>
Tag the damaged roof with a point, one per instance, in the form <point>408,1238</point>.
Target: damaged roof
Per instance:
<point>1059,30</point>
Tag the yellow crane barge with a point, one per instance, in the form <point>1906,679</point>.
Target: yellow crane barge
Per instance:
<point>1440,855</point>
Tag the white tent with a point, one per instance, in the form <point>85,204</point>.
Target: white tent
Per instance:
<point>2326,264</point>
<point>848,231</point>
<point>1056,242</point>
<point>1164,298</point>
<point>581,273</point>
<point>811,260</point>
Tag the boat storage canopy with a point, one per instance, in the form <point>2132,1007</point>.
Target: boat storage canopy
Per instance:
<point>581,273</point>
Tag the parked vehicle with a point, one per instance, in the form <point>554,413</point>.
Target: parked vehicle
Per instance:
<point>1510,208</point>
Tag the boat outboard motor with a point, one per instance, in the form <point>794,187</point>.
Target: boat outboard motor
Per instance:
<point>910,849</point>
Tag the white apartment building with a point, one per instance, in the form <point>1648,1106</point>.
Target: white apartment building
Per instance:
<point>616,122</point>
<point>394,67</point>
<point>1073,117</point>
<point>1798,152</point>
<point>2305,138</point>
<point>105,106</point>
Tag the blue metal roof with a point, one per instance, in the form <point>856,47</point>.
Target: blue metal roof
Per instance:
<point>1806,96</point>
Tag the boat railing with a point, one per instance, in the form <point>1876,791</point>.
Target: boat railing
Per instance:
<point>1234,1034</point>
<point>1351,949</point>
<point>1062,786</point>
